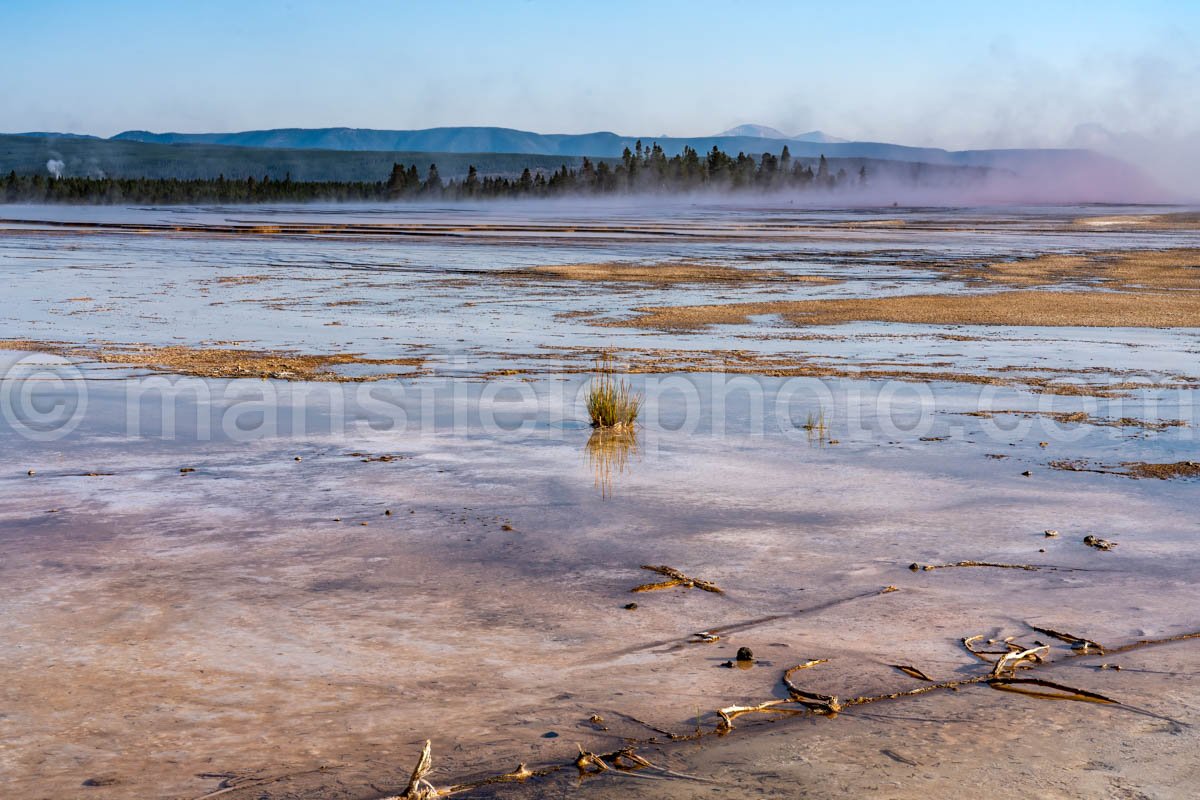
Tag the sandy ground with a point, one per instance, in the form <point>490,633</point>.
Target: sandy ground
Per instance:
<point>166,631</point>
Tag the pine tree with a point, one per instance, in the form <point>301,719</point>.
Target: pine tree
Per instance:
<point>397,181</point>
<point>433,182</point>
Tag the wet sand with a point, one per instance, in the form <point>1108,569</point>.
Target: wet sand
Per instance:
<point>221,622</point>
<point>293,613</point>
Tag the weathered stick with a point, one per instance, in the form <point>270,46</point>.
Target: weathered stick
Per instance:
<point>676,578</point>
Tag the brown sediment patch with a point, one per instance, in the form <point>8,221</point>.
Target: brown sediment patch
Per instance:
<point>874,223</point>
<point>1178,469</point>
<point>661,274</point>
<point>1083,418</point>
<point>1173,269</point>
<point>1181,220</point>
<point>1045,380</point>
<point>1165,309</point>
<point>225,363</point>
<point>1132,469</point>
<point>240,280</point>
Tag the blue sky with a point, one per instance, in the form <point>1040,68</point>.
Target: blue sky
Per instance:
<point>953,74</point>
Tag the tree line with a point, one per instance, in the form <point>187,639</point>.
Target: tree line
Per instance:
<point>643,170</point>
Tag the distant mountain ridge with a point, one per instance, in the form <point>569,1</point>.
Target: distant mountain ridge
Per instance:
<point>605,144</point>
<point>602,144</point>
<point>1070,173</point>
<point>767,132</point>
<point>83,156</point>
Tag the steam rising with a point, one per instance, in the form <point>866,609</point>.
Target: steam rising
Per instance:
<point>55,167</point>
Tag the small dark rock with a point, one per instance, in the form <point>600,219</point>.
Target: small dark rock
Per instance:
<point>1026,473</point>
<point>745,654</point>
<point>549,735</point>
<point>387,512</point>
<point>631,606</point>
<point>100,782</point>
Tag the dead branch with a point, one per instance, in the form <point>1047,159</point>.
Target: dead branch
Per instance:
<point>730,713</point>
<point>418,788</point>
<point>644,724</point>
<point>589,763</point>
<point>1150,643</point>
<point>912,672</point>
<point>915,567</point>
<point>1062,692</point>
<point>1076,642</point>
<point>969,641</point>
<point>676,578</point>
<point>1006,665</point>
<point>821,703</point>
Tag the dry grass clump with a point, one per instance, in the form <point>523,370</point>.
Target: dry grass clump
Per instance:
<point>611,401</point>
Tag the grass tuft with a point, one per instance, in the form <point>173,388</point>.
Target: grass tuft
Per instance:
<point>611,401</point>
<point>815,423</point>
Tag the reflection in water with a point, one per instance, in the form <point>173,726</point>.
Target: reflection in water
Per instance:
<point>609,451</point>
